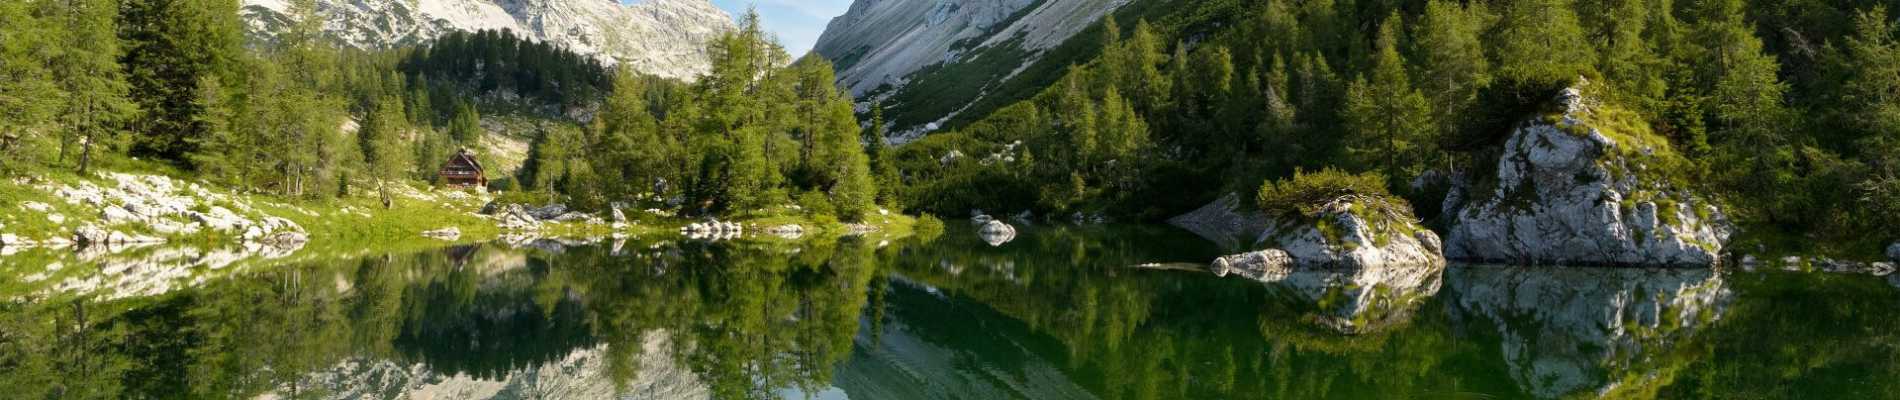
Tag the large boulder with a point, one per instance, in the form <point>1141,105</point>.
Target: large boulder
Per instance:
<point>1588,186</point>
<point>1347,236</point>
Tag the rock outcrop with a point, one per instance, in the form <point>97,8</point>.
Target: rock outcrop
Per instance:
<point>661,37</point>
<point>1340,239</point>
<point>1587,186</point>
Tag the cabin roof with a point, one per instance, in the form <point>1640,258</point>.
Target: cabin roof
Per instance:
<point>464,157</point>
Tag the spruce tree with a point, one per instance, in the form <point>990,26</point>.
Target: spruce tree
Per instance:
<point>1386,114</point>
<point>1541,43</point>
<point>89,72</point>
<point>171,45</point>
<point>1451,63</point>
<point>29,96</point>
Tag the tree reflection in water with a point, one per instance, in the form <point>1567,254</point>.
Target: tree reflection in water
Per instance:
<point>1058,313</point>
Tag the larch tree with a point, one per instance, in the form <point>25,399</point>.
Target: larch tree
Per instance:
<point>171,45</point>
<point>1385,113</point>
<point>29,95</point>
<point>1541,42</point>
<point>89,72</point>
<point>1449,51</point>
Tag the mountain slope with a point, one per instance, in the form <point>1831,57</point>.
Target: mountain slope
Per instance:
<point>660,37</point>
<point>926,60</point>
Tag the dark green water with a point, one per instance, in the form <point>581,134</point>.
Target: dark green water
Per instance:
<point>1059,313</point>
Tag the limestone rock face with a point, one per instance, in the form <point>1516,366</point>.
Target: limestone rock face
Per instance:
<point>1567,192</point>
<point>661,37</point>
<point>1346,240</point>
<point>880,46</point>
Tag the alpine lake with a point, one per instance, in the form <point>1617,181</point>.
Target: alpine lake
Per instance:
<point>1117,312</point>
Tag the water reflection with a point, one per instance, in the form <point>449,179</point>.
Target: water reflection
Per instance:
<point>1058,313</point>
<point>1570,330</point>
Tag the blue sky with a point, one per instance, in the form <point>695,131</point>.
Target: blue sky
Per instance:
<point>796,22</point>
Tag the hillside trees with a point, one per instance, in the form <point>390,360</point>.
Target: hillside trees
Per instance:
<point>170,46</point>
<point>1386,115</point>
<point>29,95</point>
<point>87,69</point>
<point>751,136</point>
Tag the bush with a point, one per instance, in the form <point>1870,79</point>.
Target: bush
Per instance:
<point>1307,195</point>
<point>816,204</point>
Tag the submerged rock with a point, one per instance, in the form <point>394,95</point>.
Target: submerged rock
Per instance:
<point>1568,191</point>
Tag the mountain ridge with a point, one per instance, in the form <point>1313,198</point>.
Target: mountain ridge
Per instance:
<point>660,37</point>
<point>882,48</point>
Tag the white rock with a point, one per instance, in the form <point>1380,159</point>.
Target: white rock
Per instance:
<point>996,233</point>
<point>36,206</point>
<point>1557,201</point>
<point>664,38</point>
<point>115,215</point>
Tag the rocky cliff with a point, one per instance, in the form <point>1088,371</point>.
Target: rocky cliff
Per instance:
<point>880,46</point>
<point>661,37</point>
<point>1587,184</point>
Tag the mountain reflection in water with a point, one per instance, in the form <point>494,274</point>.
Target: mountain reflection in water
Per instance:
<point>1057,313</point>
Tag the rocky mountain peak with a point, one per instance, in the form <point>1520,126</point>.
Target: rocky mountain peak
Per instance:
<point>661,37</point>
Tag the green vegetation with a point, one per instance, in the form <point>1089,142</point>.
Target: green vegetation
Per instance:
<point>337,140</point>
<point>1782,110</point>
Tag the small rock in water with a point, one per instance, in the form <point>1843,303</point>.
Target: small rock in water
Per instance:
<point>996,233</point>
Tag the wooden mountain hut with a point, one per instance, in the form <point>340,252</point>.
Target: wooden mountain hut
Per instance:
<point>463,171</point>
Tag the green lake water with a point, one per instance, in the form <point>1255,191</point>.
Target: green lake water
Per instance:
<point>1058,313</point>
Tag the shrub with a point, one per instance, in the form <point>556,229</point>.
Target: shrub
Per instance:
<point>816,204</point>
<point>1308,195</point>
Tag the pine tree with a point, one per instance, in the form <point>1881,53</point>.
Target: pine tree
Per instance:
<point>385,151</point>
<point>466,126</point>
<point>29,96</point>
<point>1541,43</point>
<point>1871,94</point>
<point>89,71</point>
<point>171,45</point>
<point>1631,63</point>
<point>1386,113</point>
<point>1745,92</point>
<point>1451,62</point>
<point>1145,54</point>
<point>630,147</point>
